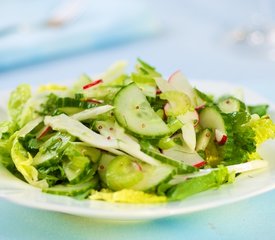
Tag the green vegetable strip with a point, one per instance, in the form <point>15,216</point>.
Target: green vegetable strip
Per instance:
<point>198,184</point>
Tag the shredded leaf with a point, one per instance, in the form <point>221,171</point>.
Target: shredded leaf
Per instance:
<point>127,196</point>
<point>264,129</point>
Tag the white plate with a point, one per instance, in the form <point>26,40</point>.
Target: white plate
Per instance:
<point>244,187</point>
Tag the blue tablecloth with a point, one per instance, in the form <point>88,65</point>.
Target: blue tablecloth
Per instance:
<point>93,25</point>
<point>196,40</point>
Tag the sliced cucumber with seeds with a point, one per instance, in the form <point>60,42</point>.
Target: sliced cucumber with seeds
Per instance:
<point>147,178</point>
<point>231,104</point>
<point>133,112</point>
<point>123,172</point>
<point>50,151</point>
<point>73,190</point>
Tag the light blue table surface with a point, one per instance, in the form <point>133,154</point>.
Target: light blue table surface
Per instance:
<point>195,40</point>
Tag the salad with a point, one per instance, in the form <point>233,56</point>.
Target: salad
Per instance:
<point>132,138</point>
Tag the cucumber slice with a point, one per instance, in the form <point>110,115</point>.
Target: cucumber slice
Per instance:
<point>50,151</point>
<point>181,166</point>
<point>123,172</point>
<point>153,176</point>
<point>231,104</point>
<point>103,165</point>
<point>133,112</point>
<point>166,143</point>
<point>73,190</point>
<point>76,168</point>
<point>68,102</point>
<point>211,117</point>
<point>77,163</point>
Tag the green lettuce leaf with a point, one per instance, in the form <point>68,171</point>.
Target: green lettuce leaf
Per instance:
<point>23,161</point>
<point>17,102</point>
<point>7,129</point>
<point>144,77</point>
<point>264,129</point>
<point>144,68</point>
<point>199,184</point>
<point>241,139</point>
<point>50,152</point>
<point>261,110</point>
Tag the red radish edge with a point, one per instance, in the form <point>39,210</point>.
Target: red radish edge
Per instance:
<point>165,109</point>
<point>94,101</point>
<point>197,108</point>
<point>172,75</point>
<point>199,164</point>
<point>197,121</point>
<point>139,168</point>
<point>92,84</point>
<point>158,91</point>
<point>44,132</point>
<point>220,137</point>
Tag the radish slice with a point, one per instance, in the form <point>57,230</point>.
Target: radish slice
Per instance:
<point>166,109</point>
<point>200,164</point>
<point>158,91</point>
<point>96,101</point>
<point>201,106</point>
<point>220,137</point>
<point>137,166</point>
<point>163,85</point>
<point>43,132</point>
<point>176,152</point>
<point>92,84</point>
<point>180,83</point>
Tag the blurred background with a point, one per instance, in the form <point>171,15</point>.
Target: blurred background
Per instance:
<point>55,40</point>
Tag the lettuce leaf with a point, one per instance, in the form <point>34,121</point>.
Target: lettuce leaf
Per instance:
<point>264,129</point>
<point>144,68</point>
<point>23,161</point>
<point>144,77</point>
<point>241,139</point>
<point>199,184</point>
<point>7,129</point>
<point>17,101</point>
<point>261,110</point>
